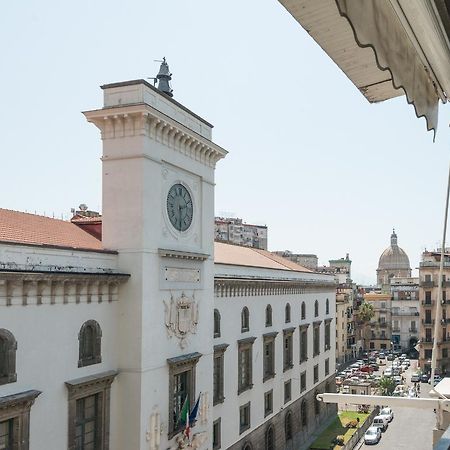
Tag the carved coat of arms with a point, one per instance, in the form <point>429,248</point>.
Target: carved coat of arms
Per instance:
<point>181,317</point>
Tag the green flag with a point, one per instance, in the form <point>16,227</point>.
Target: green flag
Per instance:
<point>184,413</point>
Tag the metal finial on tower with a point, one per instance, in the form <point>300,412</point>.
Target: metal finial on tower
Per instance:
<point>164,76</point>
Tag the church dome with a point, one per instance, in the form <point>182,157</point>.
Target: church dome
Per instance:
<point>394,257</point>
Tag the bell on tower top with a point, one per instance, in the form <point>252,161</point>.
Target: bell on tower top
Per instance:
<point>164,76</point>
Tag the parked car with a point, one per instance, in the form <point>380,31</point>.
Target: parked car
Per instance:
<point>437,379</point>
<point>388,413</point>
<point>382,356</point>
<point>388,372</point>
<point>397,379</point>
<point>390,357</point>
<point>424,378</point>
<point>372,436</point>
<point>415,377</point>
<point>374,366</point>
<point>366,369</point>
<point>381,422</point>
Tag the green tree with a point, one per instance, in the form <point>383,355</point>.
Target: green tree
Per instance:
<point>365,315</point>
<point>386,385</point>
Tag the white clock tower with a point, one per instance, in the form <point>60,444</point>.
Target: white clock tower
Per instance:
<point>158,213</point>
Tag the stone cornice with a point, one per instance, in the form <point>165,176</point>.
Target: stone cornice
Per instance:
<point>91,384</point>
<point>143,120</point>
<point>182,255</point>
<point>39,288</point>
<point>224,287</point>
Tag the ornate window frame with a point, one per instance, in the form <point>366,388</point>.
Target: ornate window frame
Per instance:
<point>84,387</point>
<point>288,348</point>
<point>269,339</point>
<point>303,329</point>
<point>245,320</point>
<point>268,316</point>
<point>17,407</point>
<point>178,365</point>
<point>96,358</point>
<point>243,345</point>
<point>10,375</point>
<point>216,323</point>
<point>219,351</point>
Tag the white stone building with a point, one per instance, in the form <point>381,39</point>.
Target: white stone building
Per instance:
<point>236,231</point>
<point>405,312</point>
<point>103,343</point>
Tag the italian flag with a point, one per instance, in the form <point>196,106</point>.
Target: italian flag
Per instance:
<point>184,416</point>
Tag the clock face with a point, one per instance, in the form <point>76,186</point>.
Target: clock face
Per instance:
<point>180,207</point>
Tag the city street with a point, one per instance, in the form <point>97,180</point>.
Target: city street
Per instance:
<point>411,428</point>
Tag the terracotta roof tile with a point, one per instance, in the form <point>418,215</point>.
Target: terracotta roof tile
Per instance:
<point>252,257</point>
<point>27,228</point>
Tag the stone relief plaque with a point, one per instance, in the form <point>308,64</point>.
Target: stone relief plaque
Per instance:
<point>182,275</point>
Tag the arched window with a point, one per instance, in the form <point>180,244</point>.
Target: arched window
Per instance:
<point>287,313</point>
<point>327,307</point>
<point>288,426</point>
<point>303,311</point>
<point>90,340</point>
<point>245,320</point>
<point>8,347</point>
<point>316,308</point>
<point>268,316</point>
<point>316,404</point>
<point>304,413</point>
<point>216,323</point>
<point>270,438</point>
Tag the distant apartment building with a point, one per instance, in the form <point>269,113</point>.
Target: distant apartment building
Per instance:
<point>428,296</point>
<point>346,343</point>
<point>235,231</point>
<point>307,260</point>
<point>405,312</point>
<point>378,332</point>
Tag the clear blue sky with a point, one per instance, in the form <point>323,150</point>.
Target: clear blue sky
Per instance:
<point>309,157</point>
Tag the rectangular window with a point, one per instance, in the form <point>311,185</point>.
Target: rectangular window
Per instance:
<point>87,423</point>
<point>316,373</point>
<point>218,375</point>
<point>287,391</point>
<point>303,344</point>
<point>245,364</point>
<point>89,411</point>
<point>316,340</point>
<point>372,345</point>
<point>216,434</point>
<point>6,434</point>
<point>428,278</point>
<point>445,353</point>
<point>428,297</point>
<point>327,335</point>
<point>383,305</point>
<point>244,417</point>
<point>303,382</point>
<point>287,350</point>
<point>427,334</point>
<point>327,366</point>
<point>268,357</point>
<point>383,334</point>
<point>268,403</point>
<point>428,353</point>
<point>428,316</point>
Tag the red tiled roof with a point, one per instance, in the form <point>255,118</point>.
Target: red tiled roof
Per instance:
<point>248,256</point>
<point>24,228</point>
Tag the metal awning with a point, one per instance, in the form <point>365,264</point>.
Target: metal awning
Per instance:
<point>387,48</point>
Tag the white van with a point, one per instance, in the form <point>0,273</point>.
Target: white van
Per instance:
<point>382,422</point>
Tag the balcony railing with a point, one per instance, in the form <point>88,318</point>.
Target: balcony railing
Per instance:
<point>413,330</point>
<point>383,324</point>
<point>395,329</point>
<point>428,321</point>
<point>426,340</point>
<point>427,284</point>
<point>405,313</point>
<point>428,302</point>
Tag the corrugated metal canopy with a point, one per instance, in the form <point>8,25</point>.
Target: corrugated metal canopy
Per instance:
<point>370,42</point>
